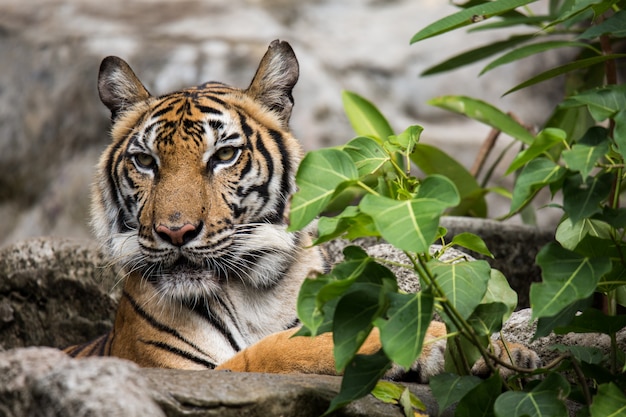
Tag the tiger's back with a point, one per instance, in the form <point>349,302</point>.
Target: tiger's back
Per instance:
<point>191,199</point>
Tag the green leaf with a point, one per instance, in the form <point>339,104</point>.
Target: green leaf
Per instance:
<point>545,140</point>
<point>499,290</point>
<point>309,313</point>
<point>573,121</point>
<point>350,223</point>
<point>535,175</point>
<point>472,242</point>
<point>512,21</point>
<point>365,118</point>
<point>405,142</point>
<point>409,225</point>
<point>391,392</point>
<point>583,158</point>
<point>367,154</point>
<point>529,50</point>
<point>581,353</point>
<point>402,335</point>
<point>593,321</point>
<point>619,133</point>
<point>449,388</point>
<point>432,160</point>
<point>614,25</point>
<point>476,54</point>
<point>567,277</point>
<point>464,283</point>
<point>577,8</point>
<point>545,325</point>
<point>563,69</point>
<point>570,234</point>
<point>318,297</point>
<point>487,318</point>
<point>484,113</point>
<point>360,377</point>
<point>615,217</point>
<point>602,102</point>
<point>438,188</point>
<point>320,172</point>
<point>352,323</point>
<point>610,401</point>
<point>480,400</point>
<point>582,199</point>
<point>546,399</point>
<point>468,16</point>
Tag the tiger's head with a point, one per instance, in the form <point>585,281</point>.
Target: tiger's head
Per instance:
<point>193,189</point>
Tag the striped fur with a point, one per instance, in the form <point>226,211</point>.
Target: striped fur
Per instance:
<point>191,199</point>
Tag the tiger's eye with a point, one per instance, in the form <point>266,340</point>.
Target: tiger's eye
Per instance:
<point>144,160</point>
<point>225,154</point>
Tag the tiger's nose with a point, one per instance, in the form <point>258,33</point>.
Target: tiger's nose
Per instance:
<point>178,236</point>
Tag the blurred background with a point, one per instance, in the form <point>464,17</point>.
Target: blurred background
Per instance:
<point>53,126</point>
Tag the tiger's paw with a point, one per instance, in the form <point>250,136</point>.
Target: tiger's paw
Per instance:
<point>514,354</point>
<point>428,364</point>
<point>431,362</point>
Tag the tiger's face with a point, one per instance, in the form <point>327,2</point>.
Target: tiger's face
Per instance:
<point>193,189</point>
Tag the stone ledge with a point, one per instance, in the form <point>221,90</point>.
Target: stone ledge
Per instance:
<point>36,380</point>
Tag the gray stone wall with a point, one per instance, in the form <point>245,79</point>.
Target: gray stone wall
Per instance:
<point>52,125</point>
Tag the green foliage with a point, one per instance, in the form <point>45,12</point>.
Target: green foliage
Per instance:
<point>579,155</point>
<point>361,293</point>
<point>392,393</point>
<point>365,188</point>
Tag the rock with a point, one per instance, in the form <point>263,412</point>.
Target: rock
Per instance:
<point>237,394</point>
<point>55,292</point>
<point>45,382</point>
<point>521,329</point>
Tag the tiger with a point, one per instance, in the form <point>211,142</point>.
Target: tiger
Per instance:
<point>191,199</point>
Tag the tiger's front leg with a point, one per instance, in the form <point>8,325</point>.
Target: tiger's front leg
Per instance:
<point>282,353</point>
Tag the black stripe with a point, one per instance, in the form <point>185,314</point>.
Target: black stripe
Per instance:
<point>162,111</point>
<point>90,347</point>
<point>102,343</point>
<point>285,183</point>
<point>114,158</point>
<point>294,323</point>
<point>247,130</point>
<point>202,309</point>
<point>208,110</point>
<point>178,352</point>
<point>216,124</point>
<point>228,310</point>
<point>158,325</point>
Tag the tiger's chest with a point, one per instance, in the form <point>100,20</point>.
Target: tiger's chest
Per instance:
<point>204,331</point>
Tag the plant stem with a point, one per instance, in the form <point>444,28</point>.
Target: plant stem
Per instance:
<point>367,188</point>
<point>611,306</point>
<point>581,378</point>
<point>484,152</point>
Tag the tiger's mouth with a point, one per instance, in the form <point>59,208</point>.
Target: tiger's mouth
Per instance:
<point>182,268</point>
<point>184,265</point>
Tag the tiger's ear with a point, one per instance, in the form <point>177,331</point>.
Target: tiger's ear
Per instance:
<point>118,85</point>
<point>275,78</point>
